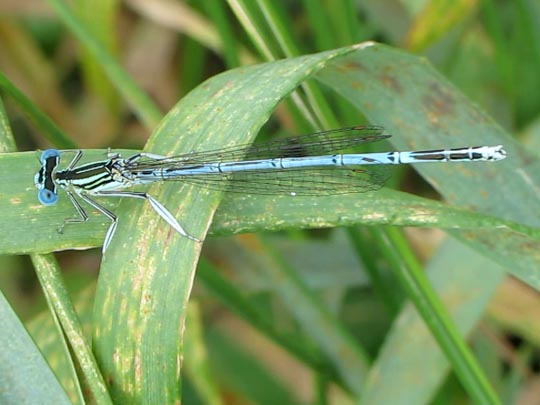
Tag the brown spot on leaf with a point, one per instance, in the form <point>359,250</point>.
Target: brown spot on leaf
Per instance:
<point>391,82</point>
<point>438,101</point>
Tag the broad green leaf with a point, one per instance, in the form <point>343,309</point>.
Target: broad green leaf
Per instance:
<point>147,274</point>
<point>34,227</point>
<point>424,111</point>
<point>25,376</point>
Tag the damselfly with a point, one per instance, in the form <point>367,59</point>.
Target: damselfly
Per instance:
<point>303,165</point>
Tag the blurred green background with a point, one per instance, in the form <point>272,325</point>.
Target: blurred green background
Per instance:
<point>245,342</point>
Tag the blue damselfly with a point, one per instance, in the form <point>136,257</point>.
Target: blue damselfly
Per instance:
<point>307,165</point>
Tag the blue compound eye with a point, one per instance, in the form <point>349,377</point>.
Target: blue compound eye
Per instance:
<point>47,154</point>
<point>47,197</point>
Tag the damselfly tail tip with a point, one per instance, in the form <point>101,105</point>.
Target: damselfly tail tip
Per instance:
<point>498,153</point>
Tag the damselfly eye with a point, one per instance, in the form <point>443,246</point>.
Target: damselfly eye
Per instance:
<point>47,197</point>
<point>49,153</point>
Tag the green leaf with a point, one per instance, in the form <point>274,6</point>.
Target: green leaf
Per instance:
<point>52,342</point>
<point>139,101</point>
<point>424,111</point>
<point>41,120</point>
<point>197,366</point>
<point>25,376</point>
<point>62,308</point>
<point>410,352</point>
<point>33,227</point>
<point>147,274</point>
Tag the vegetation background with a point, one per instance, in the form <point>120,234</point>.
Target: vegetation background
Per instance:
<point>426,292</point>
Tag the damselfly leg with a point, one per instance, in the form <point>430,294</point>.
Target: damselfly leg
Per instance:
<point>83,216</point>
<point>156,205</point>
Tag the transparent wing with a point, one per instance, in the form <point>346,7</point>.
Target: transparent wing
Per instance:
<point>319,143</point>
<point>301,182</point>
